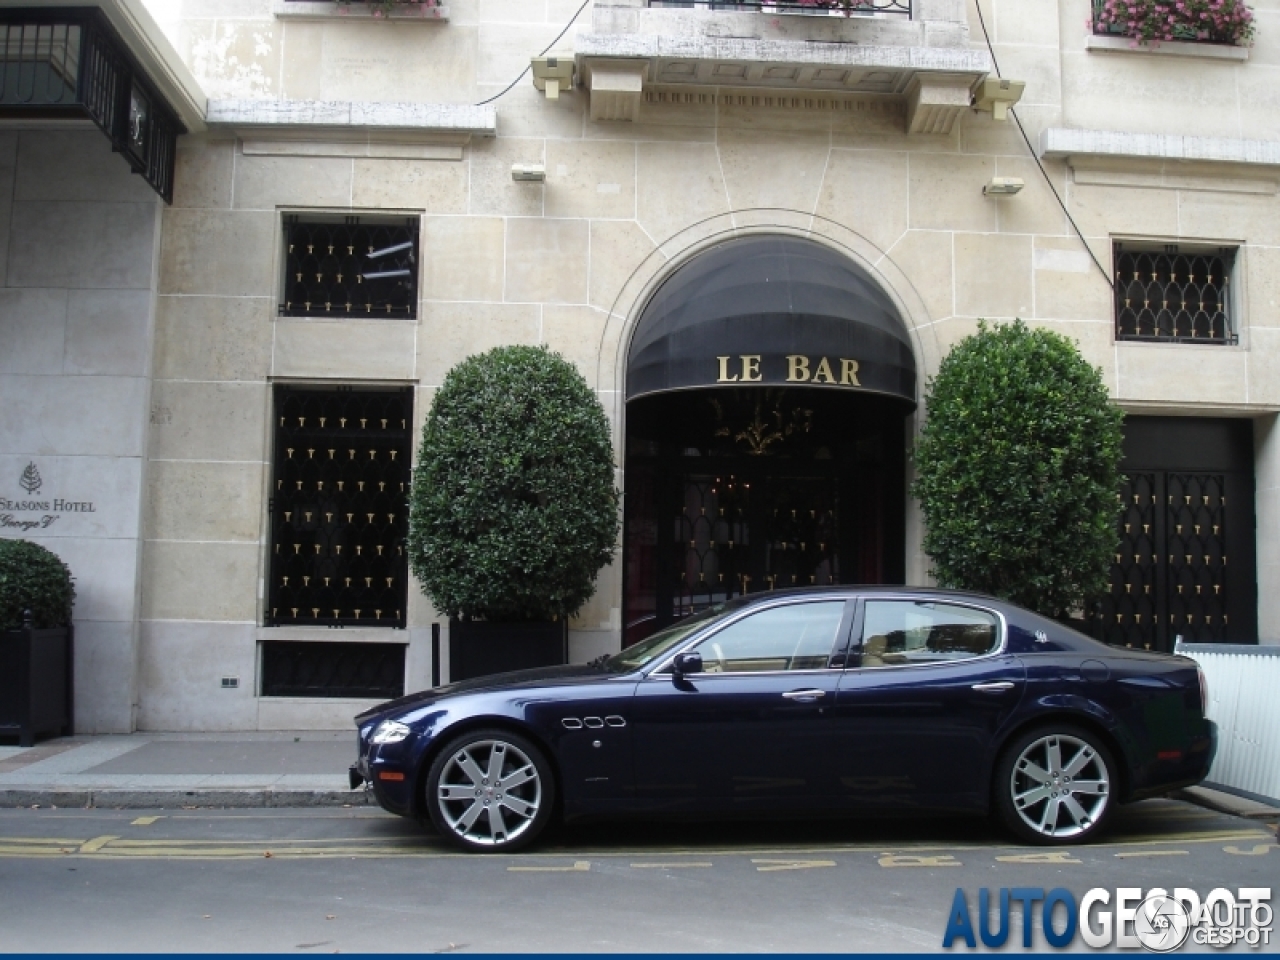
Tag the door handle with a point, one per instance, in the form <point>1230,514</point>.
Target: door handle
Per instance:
<point>805,694</point>
<point>996,686</point>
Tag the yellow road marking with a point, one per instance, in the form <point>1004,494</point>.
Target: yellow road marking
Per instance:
<point>1047,856</point>
<point>579,866</point>
<point>910,860</point>
<point>1188,838</point>
<point>773,865</point>
<point>1154,853</point>
<point>926,855</point>
<point>145,821</point>
<point>96,844</point>
<point>1258,850</point>
<point>669,866</point>
<point>266,844</point>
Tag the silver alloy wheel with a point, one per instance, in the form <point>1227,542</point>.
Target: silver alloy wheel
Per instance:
<point>489,792</point>
<point>1060,786</point>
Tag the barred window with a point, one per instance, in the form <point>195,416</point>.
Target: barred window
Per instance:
<point>353,266</point>
<point>369,671</point>
<point>1174,293</point>
<point>339,507</point>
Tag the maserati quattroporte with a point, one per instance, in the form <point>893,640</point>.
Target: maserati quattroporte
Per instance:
<point>845,700</point>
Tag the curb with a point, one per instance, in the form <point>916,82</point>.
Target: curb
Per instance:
<point>123,799</point>
<point>1227,803</point>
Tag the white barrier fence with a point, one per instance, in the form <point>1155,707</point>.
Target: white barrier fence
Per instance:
<point>1244,701</point>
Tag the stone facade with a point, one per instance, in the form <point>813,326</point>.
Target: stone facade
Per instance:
<point>154,359</point>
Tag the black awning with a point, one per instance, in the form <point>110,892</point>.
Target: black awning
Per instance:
<point>777,311</point>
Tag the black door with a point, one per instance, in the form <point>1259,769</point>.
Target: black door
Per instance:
<point>1185,563</point>
<point>737,492</point>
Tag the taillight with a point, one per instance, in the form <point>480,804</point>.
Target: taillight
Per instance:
<point>1204,692</point>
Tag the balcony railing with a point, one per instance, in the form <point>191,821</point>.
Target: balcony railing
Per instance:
<point>1227,23</point>
<point>813,8</point>
<point>70,63</point>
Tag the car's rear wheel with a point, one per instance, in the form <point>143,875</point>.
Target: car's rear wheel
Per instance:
<point>490,791</point>
<point>1055,785</point>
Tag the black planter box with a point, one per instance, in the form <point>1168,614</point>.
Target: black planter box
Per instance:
<point>35,683</point>
<point>478,648</point>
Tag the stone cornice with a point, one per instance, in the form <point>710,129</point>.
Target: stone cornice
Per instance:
<point>301,118</point>
<point>1059,142</point>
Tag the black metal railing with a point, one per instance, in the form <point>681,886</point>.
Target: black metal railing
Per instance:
<point>817,8</point>
<point>372,671</point>
<point>357,267</point>
<point>70,62</point>
<point>1192,30</point>
<point>339,507</point>
<point>1174,295</point>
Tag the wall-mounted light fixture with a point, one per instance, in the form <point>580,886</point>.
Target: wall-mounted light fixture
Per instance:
<point>1002,186</point>
<point>528,171</point>
<point>997,96</point>
<point>552,74</point>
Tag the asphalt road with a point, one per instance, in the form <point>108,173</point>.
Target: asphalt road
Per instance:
<point>330,880</point>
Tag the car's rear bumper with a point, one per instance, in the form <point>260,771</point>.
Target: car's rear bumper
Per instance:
<point>1189,767</point>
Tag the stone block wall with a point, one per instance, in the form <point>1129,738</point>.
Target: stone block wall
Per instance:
<point>570,262</point>
<point>78,242</point>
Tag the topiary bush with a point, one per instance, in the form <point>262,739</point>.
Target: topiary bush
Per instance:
<point>1017,470</point>
<point>33,578</point>
<point>512,509</point>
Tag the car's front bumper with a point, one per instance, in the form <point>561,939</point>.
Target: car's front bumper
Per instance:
<point>387,770</point>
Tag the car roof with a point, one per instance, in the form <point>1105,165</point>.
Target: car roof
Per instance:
<point>867,589</point>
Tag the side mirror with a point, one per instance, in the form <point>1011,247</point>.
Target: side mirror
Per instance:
<point>686,663</point>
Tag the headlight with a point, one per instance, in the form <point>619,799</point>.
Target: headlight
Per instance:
<point>390,731</point>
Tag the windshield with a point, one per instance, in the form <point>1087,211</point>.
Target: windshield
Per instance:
<point>650,649</point>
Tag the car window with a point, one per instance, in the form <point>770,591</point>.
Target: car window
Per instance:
<point>798,636</point>
<point>647,650</point>
<point>898,632</point>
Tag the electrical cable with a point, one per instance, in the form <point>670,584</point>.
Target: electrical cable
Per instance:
<point>1034,156</point>
<point>507,88</point>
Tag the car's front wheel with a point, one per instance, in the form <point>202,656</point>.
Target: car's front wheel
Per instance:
<point>1055,785</point>
<point>490,791</point>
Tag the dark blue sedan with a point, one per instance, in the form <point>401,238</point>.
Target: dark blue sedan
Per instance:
<point>853,700</point>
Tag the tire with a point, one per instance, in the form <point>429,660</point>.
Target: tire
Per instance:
<point>1055,784</point>
<point>472,800</point>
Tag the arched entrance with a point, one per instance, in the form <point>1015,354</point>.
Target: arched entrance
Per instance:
<point>767,386</point>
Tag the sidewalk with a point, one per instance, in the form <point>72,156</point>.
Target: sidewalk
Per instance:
<point>281,769</point>
<point>146,770</point>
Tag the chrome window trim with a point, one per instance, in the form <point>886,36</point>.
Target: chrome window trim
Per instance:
<point>856,647</point>
<point>662,670</point>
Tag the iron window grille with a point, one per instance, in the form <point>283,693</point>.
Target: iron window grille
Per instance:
<point>819,8</point>
<point>339,507</point>
<point>71,63</point>
<point>373,671</point>
<point>1174,294</point>
<point>353,266</point>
